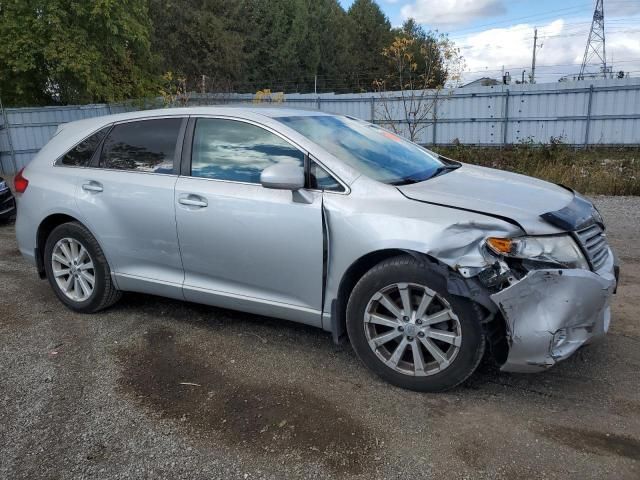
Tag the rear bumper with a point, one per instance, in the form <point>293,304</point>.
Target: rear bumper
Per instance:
<point>7,204</point>
<point>549,314</point>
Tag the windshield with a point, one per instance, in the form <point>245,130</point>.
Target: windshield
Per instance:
<point>369,149</point>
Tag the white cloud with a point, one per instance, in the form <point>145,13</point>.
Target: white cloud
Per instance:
<point>561,53</point>
<point>622,8</point>
<point>445,13</point>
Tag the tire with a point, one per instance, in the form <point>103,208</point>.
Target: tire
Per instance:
<point>459,337</point>
<point>63,239</point>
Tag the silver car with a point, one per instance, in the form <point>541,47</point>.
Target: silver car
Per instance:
<point>424,263</point>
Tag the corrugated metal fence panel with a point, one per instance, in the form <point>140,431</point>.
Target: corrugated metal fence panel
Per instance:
<point>356,107</point>
<point>471,115</point>
<point>32,128</point>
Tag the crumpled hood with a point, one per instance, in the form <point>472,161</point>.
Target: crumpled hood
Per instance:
<point>498,193</point>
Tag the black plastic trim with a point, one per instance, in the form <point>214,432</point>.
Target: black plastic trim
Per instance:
<point>39,264</point>
<point>177,155</point>
<point>338,331</point>
<point>97,154</point>
<point>577,215</point>
<point>187,145</point>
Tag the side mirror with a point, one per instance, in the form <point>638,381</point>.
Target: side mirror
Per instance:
<point>283,176</point>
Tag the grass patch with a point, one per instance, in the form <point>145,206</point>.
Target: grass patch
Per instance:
<point>604,171</point>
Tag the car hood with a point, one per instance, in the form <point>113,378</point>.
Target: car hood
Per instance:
<point>501,194</point>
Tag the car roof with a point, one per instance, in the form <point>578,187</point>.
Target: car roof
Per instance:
<point>248,112</point>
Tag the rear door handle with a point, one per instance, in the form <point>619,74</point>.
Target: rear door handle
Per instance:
<point>92,186</point>
<point>193,201</point>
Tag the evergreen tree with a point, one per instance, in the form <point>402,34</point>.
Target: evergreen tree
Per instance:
<point>370,33</point>
<point>199,37</point>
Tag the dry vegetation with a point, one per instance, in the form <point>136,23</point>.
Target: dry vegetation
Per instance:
<point>605,171</point>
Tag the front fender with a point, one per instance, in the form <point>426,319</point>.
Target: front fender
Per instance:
<point>357,227</point>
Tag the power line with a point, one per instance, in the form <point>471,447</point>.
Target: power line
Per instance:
<point>512,20</point>
<point>456,34</point>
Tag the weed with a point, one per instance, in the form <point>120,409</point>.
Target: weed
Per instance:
<point>605,171</point>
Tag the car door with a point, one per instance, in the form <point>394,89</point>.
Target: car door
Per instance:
<point>245,246</point>
<point>127,200</point>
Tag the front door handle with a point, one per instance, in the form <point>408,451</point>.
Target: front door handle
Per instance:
<point>193,201</point>
<point>92,186</point>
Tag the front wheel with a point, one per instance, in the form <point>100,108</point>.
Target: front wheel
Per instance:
<point>78,270</point>
<point>407,328</point>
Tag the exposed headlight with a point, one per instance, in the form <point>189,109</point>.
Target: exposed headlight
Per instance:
<point>3,185</point>
<point>560,250</point>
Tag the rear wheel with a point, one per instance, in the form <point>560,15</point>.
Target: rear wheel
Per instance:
<point>78,270</point>
<point>406,327</point>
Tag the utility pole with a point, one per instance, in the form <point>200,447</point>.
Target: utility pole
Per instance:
<point>202,85</point>
<point>532,77</point>
<point>595,42</point>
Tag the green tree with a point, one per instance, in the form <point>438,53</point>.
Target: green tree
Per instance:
<point>74,51</point>
<point>199,37</point>
<point>370,33</point>
<point>426,50</point>
<point>331,24</point>
<point>276,32</point>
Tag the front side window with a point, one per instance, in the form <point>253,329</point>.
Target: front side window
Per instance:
<point>143,146</point>
<point>237,151</point>
<point>320,179</point>
<point>81,154</point>
<point>369,149</point>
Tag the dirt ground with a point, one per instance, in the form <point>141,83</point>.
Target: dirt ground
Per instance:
<point>155,388</point>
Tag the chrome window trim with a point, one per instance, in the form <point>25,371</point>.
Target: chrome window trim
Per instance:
<point>112,125</point>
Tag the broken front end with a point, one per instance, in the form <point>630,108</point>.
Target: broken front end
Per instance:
<point>552,291</point>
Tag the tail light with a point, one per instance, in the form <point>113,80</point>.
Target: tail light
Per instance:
<point>20,183</point>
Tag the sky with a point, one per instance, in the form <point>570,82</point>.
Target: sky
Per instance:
<point>496,33</point>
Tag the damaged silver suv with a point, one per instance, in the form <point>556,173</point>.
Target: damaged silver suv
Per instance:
<point>425,264</point>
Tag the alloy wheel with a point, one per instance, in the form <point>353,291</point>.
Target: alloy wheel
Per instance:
<point>412,329</point>
<point>73,269</point>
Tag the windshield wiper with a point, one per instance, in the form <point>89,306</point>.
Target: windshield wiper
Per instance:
<point>406,181</point>
<point>438,171</point>
<point>445,168</point>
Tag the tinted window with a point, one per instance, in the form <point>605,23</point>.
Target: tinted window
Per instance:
<point>82,153</point>
<point>144,146</point>
<point>320,179</point>
<point>371,150</point>
<point>238,151</point>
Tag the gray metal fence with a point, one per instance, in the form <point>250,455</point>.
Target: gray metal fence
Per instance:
<point>605,112</point>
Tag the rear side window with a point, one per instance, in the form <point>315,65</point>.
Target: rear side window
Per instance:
<point>81,154</point>
<point>142,146</point>
<point>237,151</point>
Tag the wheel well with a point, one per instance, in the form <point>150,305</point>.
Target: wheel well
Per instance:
<point>353,274</point>
<point>44,230</point>
<point>494,324</point>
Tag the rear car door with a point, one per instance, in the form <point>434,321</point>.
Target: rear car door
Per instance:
<point>127,200</point>
<point>245,246</point>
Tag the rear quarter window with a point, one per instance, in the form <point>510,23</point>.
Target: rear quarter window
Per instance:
<point>80,155</point>
<point>142,146</point>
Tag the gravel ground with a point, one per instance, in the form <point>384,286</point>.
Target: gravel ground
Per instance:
<point>155,388</point>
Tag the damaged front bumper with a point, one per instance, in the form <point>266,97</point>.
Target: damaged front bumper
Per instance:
<point>549,314</point>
